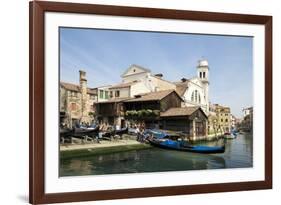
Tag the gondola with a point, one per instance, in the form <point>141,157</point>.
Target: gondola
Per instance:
<point>81,132</point>
<point>109,134</point>
<point>175,145</point>
<point>174,142</point>
<point>65,134</point>
<point>121,131</point>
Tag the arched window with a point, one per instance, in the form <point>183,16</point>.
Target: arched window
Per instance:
<point>195,97</point>
<point>192,96</point>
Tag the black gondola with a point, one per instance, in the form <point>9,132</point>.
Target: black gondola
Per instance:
<point>121,131</point>
<point>82,132</point>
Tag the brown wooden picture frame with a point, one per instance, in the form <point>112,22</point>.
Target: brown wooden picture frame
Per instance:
<point>37,193</point>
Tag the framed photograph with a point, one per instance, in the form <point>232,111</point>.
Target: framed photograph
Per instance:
<point>132,102</point>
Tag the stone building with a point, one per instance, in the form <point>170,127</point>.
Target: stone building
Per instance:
<point>77,102</point>
<point>223,118</point>
<point>247,122</point>
<point>212,120</point>
<point>233,121</point>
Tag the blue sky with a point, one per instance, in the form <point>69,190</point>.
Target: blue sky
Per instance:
<point>106,54</point>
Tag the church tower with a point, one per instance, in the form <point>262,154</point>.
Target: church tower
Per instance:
<point>203,76</point>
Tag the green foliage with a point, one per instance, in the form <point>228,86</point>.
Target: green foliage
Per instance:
<point>91,114</point>
<point>156,112</point>
<point>142,113</point>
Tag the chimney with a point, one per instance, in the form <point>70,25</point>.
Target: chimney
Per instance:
<point>159,75</point>
<point>83,81</point>
<point>83,89</point>
<point>183,80</point>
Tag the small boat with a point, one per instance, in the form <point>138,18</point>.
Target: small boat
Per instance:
<point>174,142</point>
<point>231,135</point>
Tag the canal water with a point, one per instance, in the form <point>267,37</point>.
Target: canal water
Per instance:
<point>238,154</point>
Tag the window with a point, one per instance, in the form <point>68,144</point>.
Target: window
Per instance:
<point>195,97</point>
<point>226,114</point>
<point>117,93</point>
<point>203,74</point>
<point>221,120</point>
<point>101,94</point>
<point>111,94</point>
<point>106,94</point>
<point>73,106</point>
<point>73,94</point>
<point>92,97</point>
<point>226,120</point>
<point>200,74</point>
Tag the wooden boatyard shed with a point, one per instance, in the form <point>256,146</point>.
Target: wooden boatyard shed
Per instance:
<point>111,112</point>
<point>190,120</point>
<point>147,107</point>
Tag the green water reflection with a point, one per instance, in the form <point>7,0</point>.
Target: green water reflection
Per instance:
<point>238,154</point>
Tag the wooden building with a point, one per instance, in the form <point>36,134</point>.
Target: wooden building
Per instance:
<point>111,112</point>
<point>160,110</point>
<point>190,120</point>
<point>147,107</point>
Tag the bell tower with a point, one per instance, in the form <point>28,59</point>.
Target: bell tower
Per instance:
<point>203,76</point>
<point>203,71</point>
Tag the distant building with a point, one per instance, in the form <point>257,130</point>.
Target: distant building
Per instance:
<point>212,120</point>
<point>77,102</point>
<point>247,111</point>
<point>247,122</point>
<point>234,121</point>
<point>223,118</point>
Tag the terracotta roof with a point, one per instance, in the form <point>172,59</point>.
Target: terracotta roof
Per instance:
<point>181,87</point>
<point>159,95</point>
<point>179,111</point>
<point>76,88</point>
<point>70,86</point>
<point>92,91</point>
<point>122,85</point>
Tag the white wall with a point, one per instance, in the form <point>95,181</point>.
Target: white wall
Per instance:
<point>14,101</point>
